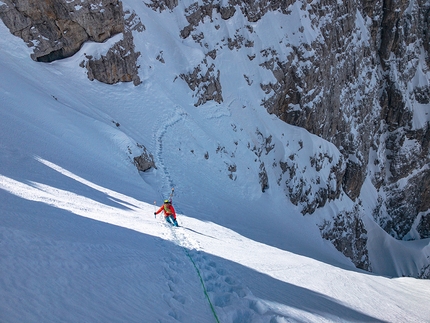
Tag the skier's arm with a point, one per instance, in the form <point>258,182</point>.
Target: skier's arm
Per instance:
<point>160,209</point>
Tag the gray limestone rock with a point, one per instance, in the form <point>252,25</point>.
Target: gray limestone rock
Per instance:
<point>57,29</point>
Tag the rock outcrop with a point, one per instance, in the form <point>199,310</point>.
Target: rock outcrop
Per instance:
<point>57,29</point>
<point>205,83</point>
<point>349,235</point>
<point>145,161</point>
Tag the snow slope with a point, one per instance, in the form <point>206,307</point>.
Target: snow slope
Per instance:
<point>79,241</point>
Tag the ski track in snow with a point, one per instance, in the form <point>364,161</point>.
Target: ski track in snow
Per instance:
<point>232,301</point>
<point>225,292</point>
<point>168,183</point>
<point>189,246</point>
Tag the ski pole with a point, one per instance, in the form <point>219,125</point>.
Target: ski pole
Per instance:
<point>171,194</point>
<point>155,209</point>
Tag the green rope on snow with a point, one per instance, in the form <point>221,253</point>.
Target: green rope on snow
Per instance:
<point>203,284</point>
<point>198,271</point>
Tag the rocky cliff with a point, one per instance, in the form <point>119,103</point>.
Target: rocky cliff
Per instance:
<point>57,29</point>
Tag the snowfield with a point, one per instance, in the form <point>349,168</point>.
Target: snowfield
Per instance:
<point>78,238</point>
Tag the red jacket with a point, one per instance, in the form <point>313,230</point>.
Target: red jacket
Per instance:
<point>168,210</point>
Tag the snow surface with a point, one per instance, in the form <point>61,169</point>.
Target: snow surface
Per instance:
<point>79,241</point>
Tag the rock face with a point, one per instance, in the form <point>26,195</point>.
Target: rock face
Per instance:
<point>349,236</point>
<point>355,80</point>
<point>57,29</point>
<point>408,156</point>
<point>145,161</point>
<point>206,85</point>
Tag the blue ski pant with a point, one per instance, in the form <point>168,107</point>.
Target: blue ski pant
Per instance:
<point>171,220</point>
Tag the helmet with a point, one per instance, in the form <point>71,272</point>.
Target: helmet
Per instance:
<point>166,201</point>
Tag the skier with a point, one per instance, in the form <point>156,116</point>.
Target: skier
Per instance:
<point>169,212</point>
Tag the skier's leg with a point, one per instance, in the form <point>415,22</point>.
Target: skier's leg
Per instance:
<point>168,219</point>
